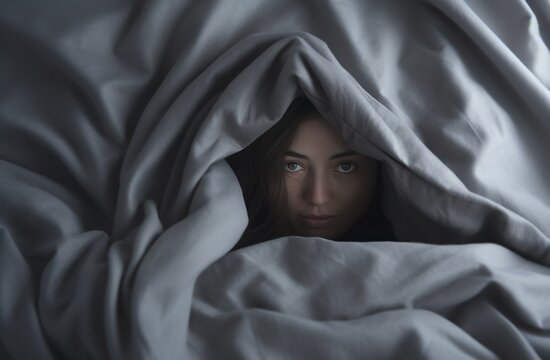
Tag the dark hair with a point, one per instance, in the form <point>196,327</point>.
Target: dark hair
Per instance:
<point>259,169</point>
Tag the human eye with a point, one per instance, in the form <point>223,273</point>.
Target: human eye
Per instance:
<point>346,167</point>
<point>292,166</point>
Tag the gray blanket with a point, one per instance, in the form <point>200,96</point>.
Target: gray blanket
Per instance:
<point>118,209</point>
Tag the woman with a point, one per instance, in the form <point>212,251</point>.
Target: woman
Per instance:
<point>300,178</point>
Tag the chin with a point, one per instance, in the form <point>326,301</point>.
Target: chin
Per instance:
<point>331,233</point>
<point>327,234</point>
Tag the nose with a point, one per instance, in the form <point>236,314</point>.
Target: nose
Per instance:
<point>317,190</point>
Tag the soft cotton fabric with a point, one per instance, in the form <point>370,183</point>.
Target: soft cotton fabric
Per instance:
<point>117,208</point>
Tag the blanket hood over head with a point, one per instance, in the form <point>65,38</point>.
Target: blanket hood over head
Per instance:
<point>440,172</point>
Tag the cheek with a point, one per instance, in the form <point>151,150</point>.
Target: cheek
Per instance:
<point>356,192</point>
<point>350,193</point>
<point>293,189</point>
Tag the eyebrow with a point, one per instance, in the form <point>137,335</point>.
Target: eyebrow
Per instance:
<point>335,156</point>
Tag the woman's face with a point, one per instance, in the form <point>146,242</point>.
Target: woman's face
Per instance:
<point>328,185</point>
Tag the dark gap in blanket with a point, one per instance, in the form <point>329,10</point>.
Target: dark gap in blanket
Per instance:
<point>372,225</point>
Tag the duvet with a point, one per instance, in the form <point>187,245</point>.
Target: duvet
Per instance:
<point>118,209</point>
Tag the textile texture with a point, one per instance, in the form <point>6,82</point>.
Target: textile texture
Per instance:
<point>118,208</point>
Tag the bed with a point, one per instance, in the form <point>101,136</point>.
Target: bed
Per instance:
<point>118,209</point>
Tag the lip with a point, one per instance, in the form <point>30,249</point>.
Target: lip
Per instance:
<point>317,221</point>
<point>317,217</point>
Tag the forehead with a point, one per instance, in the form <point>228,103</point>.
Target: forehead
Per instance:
<point>314,134</point>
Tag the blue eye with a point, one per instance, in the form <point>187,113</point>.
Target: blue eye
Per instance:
<point>345,167</point>
<point>293,167</point>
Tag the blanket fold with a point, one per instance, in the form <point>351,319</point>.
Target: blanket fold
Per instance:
<point>118,209</point>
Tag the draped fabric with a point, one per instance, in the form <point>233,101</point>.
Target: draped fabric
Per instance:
<point>118,209</point>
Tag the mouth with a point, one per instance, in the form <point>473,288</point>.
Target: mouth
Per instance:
<point>317,217</point>
<point>317,221</point>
